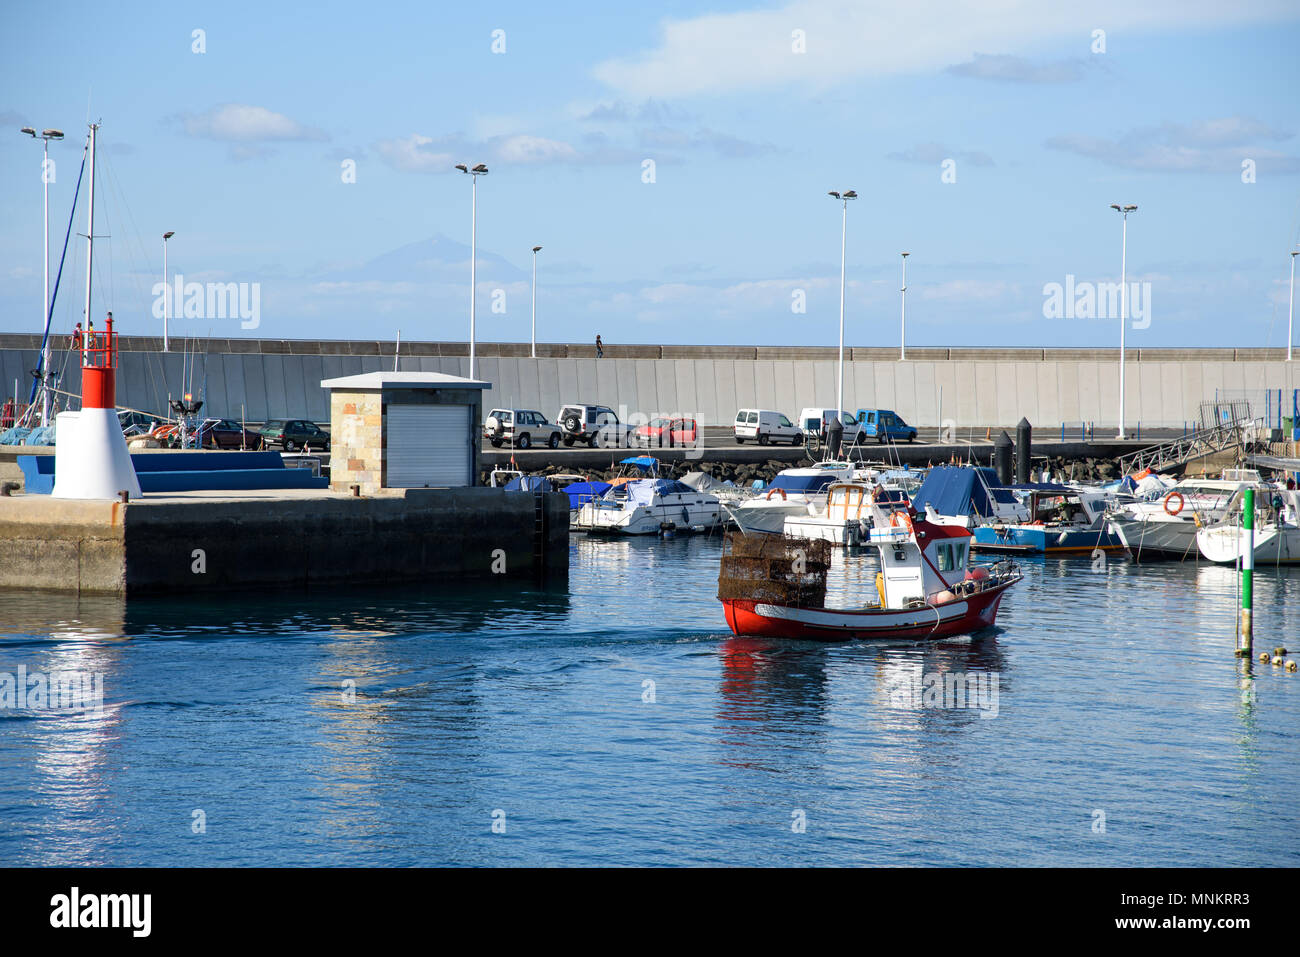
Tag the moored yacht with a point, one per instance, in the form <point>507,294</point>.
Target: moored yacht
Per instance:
<point>649,506</point>
<point>789,495</point>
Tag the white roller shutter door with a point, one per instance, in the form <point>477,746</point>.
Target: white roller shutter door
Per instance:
<point>428,445</point>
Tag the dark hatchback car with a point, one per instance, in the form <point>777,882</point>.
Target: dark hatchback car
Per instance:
<point>227,434</point>
<point>294,434</point>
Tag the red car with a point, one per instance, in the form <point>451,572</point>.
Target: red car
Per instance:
<point>668,432</point>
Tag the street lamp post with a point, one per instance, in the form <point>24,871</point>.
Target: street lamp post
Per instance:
<point>474,173</point>
<point>1123,303</point>
<point>844,198</point>
<point>45,136</point>
<point>167,292</point>
<point>536,250</point>
<point>1290,312</point>
<point>902,336</point>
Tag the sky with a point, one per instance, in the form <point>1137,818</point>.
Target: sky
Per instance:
<point>673,160</point>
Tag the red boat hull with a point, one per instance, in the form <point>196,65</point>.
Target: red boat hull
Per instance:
<point>960,617</point>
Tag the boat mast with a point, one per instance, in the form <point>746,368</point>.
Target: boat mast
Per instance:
<point>90,229</point>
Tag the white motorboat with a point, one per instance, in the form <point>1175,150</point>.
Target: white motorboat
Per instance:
<point>648,507</point>
<point>1165,525</point>
<point>1276,535</point>
<point>788,496</point>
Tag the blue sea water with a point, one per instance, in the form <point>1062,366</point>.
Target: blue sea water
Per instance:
<point>616,721</point>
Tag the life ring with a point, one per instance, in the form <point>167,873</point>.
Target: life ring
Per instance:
<point>772,492</point>
<point>900,519</point>
<point>1169,498</point>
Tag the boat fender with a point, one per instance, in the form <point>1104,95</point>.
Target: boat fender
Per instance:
<point>772,492</point>
<point>943,597</point>
<point>1169,499</point>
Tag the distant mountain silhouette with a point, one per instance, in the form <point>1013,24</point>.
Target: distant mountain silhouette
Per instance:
<point>438,259</point>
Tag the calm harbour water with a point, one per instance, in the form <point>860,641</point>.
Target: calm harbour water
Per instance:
<point>1118,695</point>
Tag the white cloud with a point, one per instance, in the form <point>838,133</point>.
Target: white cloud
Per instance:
<point>533,149</point>
<point>242,123</point>
<point>417,154</point>
<point>846,39</point>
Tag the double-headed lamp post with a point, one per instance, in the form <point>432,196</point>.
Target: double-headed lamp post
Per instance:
<point>536,250</point>
<point>902,335</point>
<point>1290,312</point>
<point>1123,303</point>
<point>46,136</point>
<point>167,292</point>
<point>474,172</point>
<point>843,198</point>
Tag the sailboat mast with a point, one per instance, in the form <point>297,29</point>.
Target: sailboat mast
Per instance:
<point>90,226</point>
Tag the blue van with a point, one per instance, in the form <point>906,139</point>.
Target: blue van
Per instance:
<point>885,425</point>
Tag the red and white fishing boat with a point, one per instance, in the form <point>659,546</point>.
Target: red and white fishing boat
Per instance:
<point>926,590</point>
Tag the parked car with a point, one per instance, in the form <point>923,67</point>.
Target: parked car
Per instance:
<point>227,434</point>
<point>520,428</point>
<point>294,434</point>
<point>814,423</point>
<point>885,425</point>
<point>765,427</point>
<point>666,431</point>
<point>597,425</point>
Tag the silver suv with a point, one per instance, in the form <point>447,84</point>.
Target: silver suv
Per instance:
<point>597,425</point>
<point>520,428</point>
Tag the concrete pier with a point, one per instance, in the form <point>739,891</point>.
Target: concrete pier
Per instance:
<point>205,542</point>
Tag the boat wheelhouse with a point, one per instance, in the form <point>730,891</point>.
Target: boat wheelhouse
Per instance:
<point>1063,520</point>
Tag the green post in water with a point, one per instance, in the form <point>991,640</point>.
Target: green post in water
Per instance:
<point>1248,571</point>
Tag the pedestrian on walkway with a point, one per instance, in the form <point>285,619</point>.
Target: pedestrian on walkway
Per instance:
<point>600,348</point>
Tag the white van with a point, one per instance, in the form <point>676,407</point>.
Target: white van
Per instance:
<point>766,427</point>
<point>814,423</point>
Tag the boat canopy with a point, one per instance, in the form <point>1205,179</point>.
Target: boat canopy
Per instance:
<point>645,491</point>
<point>803,483</point>
<point>580,493</point>
<point>530,483</point>
<point>962,490</point>
<point>700,481</point>
<point>648,462</point>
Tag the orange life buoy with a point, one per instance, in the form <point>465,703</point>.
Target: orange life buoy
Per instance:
<point>900,519</point>
<point>1169,498</point>
<point>772,492</point>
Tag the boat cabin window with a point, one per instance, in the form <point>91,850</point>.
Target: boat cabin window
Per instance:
<point>944,551</point>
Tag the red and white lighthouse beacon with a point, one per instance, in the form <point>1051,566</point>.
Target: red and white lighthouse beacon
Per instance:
<point>91,459</point>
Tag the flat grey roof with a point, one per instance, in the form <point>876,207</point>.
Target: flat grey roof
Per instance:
<point>403,380</point>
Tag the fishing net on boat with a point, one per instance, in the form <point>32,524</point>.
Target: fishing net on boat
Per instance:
<point>779,569</point>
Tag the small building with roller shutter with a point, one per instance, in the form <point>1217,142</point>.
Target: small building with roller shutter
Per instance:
<point>404,430</point>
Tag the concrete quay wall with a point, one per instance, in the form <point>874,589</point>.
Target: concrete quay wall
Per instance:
<point>263,379</point>
<point>223,541</point>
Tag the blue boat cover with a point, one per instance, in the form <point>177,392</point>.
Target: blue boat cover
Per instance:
<point>803,483</point>
<point>530,483</point>
<point>956,490</point>
<point>642,462</point>
<point>582,492</point>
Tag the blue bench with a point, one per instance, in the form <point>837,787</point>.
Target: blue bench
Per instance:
<point>189,472</point>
